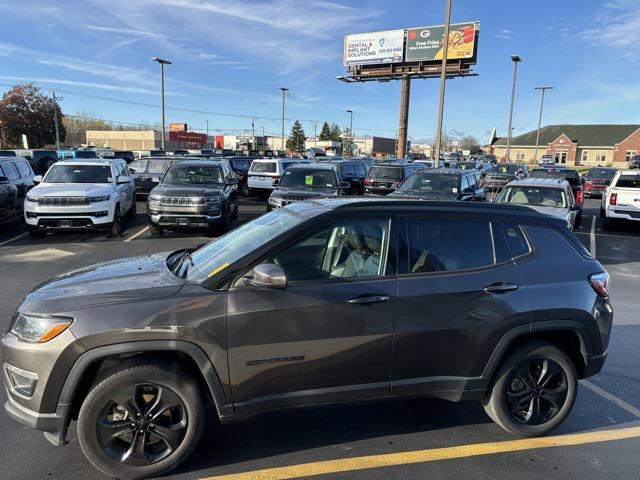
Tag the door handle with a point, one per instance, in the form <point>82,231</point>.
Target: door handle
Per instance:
<point>500,287</point>
<point>368,299</point>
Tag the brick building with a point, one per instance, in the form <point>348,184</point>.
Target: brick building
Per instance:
<point>574,145</point>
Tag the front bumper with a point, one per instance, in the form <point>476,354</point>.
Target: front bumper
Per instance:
<point>93,216</point>
<point>53,425</point>
<point>178,220</point>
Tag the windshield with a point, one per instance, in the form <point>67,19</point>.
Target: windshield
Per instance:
<point>194,175</point>
<point>432,183</point>
<point>263,167</point>
<point>240,164</point>
<point>505,169</point>
<point>628,181</point>
<point>79,174</point>
<point>606,173</point>
<point>467,165</point>
<point>386,172</point>
<point>570,176</point>
<point>538,196</point>
<point>219,254</point>
<point>309,178</point>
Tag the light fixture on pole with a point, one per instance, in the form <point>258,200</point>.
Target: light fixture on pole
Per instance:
<point>542,89</point>
<point>515,59</point>
<point>284,91</point>
<point>350,112</point>
<point>162,63</point>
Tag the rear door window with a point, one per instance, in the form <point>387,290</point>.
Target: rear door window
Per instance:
<point>23,168</point>
<point>10,171</point>
<point>438,245</point>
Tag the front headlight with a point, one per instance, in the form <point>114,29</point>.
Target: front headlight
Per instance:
<point>213,198</point>
<point>32,199</point>
<point>154,197</point>
<point>277,201</point>
<point>101,198</point>
<point>39,329</point>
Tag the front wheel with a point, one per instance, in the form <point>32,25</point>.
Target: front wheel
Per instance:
<point>534,390</point>
<point>141,421</point>
<point>116,226</point>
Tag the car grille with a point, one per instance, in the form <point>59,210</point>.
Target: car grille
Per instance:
<point>295,197</point>
<point>62,201</point>
<point>70,214</point>
<point>182,201</point>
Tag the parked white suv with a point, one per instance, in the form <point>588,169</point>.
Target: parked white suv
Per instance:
<point>621,199</point>
<point>265,173</point>
<point>87,194</point>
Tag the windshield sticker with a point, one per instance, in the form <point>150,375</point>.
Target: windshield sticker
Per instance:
<point>504,169</point>
<point>308,180</point>
<point>454,190</point>
<point>218,269</point>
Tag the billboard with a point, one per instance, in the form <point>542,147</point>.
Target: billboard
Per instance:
<point>426,44</point>
<point>177,127</point>
<point>374,48</point>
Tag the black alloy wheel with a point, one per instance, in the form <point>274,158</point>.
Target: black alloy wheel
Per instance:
<point>142,424</point>
<point>536,391</point>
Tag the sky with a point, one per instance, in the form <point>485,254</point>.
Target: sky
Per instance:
<point>230,56</point>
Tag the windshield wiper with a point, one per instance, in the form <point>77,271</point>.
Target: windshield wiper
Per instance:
<point>177,263</point>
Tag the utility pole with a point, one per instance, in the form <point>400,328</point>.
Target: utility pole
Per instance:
<point>542,89</point>
<point>315,136</point>
<point>55,120</point>
<point>443,80</point>
<point>401,140</point>
<point>207,142</point>
<point>162,63</point>
<point>350,112</point>
<point>284,91</point>
<point>253,133</point>
<point>515,59</point>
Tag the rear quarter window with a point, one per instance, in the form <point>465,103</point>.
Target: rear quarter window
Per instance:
<point>558,252</point>
<point>516,241</point>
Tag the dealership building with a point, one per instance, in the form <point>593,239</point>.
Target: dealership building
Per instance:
<point>573,145</point>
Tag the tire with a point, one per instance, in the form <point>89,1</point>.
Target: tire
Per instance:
<point>234,214</point>
<point>116,227</point>
<point>225,222</point>
<point>578,221</point>
<point>244,189</point>
<point>132,213</point>
<point>606,223</point>
<point>517,374</point>
<point>37,234</point>
<point>153,230</point>
<point>132,380</point>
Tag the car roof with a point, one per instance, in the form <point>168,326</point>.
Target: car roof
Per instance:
<point>313,166</point>
<point>444,171</point>
<point>90,161</point>
<point>199,162</point>
<point>540,182</point>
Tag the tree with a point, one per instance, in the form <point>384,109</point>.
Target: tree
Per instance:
<point>297,139</point>
<point>335,133</point>
<point>325,133</point>
<point>78,124</point>
<point>26,110</point>
<point>471,143</point>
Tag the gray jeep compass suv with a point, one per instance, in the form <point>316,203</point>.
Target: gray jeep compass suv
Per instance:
<point>332,300</point>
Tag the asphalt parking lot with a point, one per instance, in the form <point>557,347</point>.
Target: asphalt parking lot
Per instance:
<point>405,439</point>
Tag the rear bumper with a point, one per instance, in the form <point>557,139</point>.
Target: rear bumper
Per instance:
<point>618,213</point>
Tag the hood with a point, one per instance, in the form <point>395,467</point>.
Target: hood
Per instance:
<point>304,192</point>
<point>70,190</point>
<point>127,279</point>
<point>187,191</point>
<point>562,213</point>
<point>418,195</point>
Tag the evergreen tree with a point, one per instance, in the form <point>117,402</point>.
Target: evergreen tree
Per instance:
<point>297,139</point>
<point>336,133</point>
<point>325,133</point>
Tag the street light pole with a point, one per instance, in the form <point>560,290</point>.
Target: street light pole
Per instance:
<point>55,119</point>
<point>542,89</point>
<point>350,112</point>
<point>515,59</point>
<point>443,80</point>
<point>162,63</point>
<point>284,91</point>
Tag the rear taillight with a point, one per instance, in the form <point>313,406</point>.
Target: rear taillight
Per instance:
<point>588,185</point>
<point>613,200</point>
<point>599,283</point>
<point>579,197</point>
<point>368,181</point>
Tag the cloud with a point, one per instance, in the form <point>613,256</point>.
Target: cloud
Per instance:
<point>128,31</point>
<point>505,34</point>
<point>616,29</point>
<point>98,86</point>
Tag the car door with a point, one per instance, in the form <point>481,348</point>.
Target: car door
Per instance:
<point>128,189</point>
<point>458,293</point>
<point>327,336</point>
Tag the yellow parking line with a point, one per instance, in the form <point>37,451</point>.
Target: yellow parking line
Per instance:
<point>432,455</point>
<point>137,234</point>
<point>13,239</point>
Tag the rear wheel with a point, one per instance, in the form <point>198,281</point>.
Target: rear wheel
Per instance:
<point>534,390</point>
<point>141,421</point>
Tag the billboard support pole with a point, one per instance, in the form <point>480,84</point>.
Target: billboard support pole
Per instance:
<point>443,80</point>
<point>405,93</point>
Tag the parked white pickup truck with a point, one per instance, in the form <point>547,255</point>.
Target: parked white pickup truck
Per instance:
<point>621,199</point>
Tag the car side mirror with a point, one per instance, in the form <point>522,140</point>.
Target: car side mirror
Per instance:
<point>582,180</point>
<point>4,179</point>
<point>37,179</point>
<point>132,170</point>
<point>266,275</point>
<point>345,185</point>
<point>575,207</point>
<point>232,181</point>
<point>122,179</point>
